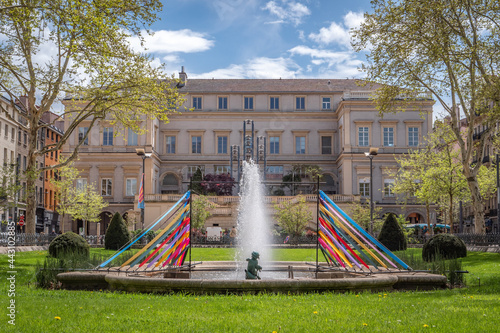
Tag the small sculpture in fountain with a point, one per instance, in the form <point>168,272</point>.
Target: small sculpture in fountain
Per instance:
<point>253,267</point>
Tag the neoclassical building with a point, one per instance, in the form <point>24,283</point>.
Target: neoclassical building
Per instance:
<point>330,123</point>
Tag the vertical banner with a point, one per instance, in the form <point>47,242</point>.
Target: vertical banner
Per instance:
<point>140,205</point>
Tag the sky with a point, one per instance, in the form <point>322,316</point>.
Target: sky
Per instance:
<point>256,39</point>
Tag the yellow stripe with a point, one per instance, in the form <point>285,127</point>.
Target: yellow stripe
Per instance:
<point>172,249</point>
<point>157,237</point>
<point>326,211</point>
<point>339,253</point>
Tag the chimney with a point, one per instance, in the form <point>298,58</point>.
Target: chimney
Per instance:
<point>23,102</point>
<point>183,77</point>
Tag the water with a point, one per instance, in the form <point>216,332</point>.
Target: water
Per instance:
<point>253,220</point>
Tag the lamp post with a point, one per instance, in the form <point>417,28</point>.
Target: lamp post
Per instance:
<point>142,153</point>
<point>498,189</point>
<point>370,154</point>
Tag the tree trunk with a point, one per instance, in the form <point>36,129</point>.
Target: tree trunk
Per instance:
<point>31,175</point>
<point>478,207</point>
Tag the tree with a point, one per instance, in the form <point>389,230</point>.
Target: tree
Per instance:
<point>196,182</point>
<point>448,48</point>
<point>199,211</point>
<point>64,189</point>
<point>79,49</point>
<point>360,213</point>
<point>293,215</point>
<point>87,206</point>
<point>217,184</point>
<point>117,234</point>
<point>10,187</point>
<point>392,235</point>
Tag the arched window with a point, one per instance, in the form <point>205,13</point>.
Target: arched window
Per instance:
<point>169,184</point>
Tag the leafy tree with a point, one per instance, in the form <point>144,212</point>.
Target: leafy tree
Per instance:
<point>447,48</point>
<point>196,182</point>
<point>10,186</point>
<point>64,189</point>
<point>117,234</point>
<point>217,184</point>
<point>360,213</point>
<point>88,205</point>
<point>88,58</point>
<point>293,215</point>
<point>199,211</point>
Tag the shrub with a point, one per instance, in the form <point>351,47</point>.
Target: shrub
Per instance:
<point>392,235</point>
<point>117,234</point>
<point>69,244</point>
<point>444,246</point>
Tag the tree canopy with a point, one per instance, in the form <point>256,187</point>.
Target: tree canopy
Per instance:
<point>79,52</point>
<point>448,48</point>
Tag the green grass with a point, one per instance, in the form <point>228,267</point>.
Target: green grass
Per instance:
<point>472,309</point>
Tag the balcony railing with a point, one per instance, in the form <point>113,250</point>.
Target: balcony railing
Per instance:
<point>231,199</point>
<point>350,95</point>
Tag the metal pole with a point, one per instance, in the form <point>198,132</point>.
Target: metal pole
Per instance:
<point>190,219</point>
<point>252,140</point>
<point>371,195</point>
<point>317,228</point>
<point>257,155</point>
<point>461,229</point>
<point>143,190</point>
<point>498,194</point>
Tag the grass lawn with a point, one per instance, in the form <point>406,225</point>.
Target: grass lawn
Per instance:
<point>472,309</point>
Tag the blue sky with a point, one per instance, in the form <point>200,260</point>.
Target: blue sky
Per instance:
<point>258,38</point>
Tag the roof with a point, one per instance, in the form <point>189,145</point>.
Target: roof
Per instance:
<point>272,86</point>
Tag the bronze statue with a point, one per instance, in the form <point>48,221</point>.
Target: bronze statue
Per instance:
<point>253,267</point>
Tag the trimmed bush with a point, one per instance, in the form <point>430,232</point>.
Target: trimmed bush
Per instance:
<point>117,234</point>
<point>392,235</point>
<point>69,244</point>
<point>444,246</point>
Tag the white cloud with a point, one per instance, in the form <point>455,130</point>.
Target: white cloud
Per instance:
<point>338,33</point>
<point>169,41</point>
<point>325,55</point>
<point>257,68</point>
<point>287,11</point>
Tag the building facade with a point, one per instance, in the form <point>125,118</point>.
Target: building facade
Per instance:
<point>327,123</point>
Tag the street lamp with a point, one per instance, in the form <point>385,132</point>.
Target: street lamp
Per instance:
<point>370,154</point>
<point>142,153</point>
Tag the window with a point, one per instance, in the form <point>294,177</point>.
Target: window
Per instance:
<point>388,137</point>
<point>248,103</point>
<point>13,136</point>
<point>274,172</point>
<point>170,141</point>
<point>131,187</point>
<point>192,169</point>
<point>221,169</point>
<point>300,145</point>
<point>326,145</point>
<point>363,137</point>
<point>412,136</point>
<point>300,103</point>
<point>82,132</point>
<point>326,103</point>
<point>107,136</point>
<point>131,138</point>
<point>196,144</point>
<point>24,163</point>
<point>197,103</point>
<point>222,105</point>
<point>25,135</point>
<point>222,145</point>
<point>6,132</point>
<point>274,145</point>
<point>81,184</point>
<point>106,186</point>
<point>364,188</point>
<point>19,136</point>
<point>388,187</point>
<point>274,103</point>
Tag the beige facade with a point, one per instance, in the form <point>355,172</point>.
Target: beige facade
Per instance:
<point>329,123</point>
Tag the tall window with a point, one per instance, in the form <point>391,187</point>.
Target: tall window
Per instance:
<point>197,103</point>
<point>412,136</point>
<point>106,187</point>
<point>388,187</point>
<point>222,145</point>
<point>363,136</point>
<point>170,144</point>
<point>222,103</point>
<point>132,138</point>
<point>248,101</point>
<point>82,131</point>
<point>193,168</point>
<point>300,145</point>
<point>274,145</point>
<point>388,137</point>
<point>364,188</point>
<point>274,103</point>
<point>81,184</point>
<point>326,145</point>
<point>107,136</point>
<point>221,169</point>
<point>326,103</point>
<point>131,187</point>
<point>300,103</point>
<point>196,144</point>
